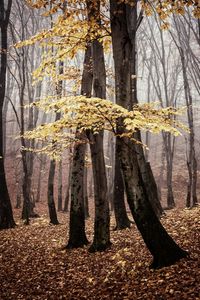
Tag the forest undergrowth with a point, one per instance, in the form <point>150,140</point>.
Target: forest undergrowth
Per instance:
<point>34,265</point>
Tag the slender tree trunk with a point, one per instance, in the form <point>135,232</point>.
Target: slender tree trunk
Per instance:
<point>169,169</point>
<point>191,199</point>
<point>43,159</point>
<point>6,214</point>
<point>50,194</point>
<point>67,195</point>
<point>86,204</point>
<point>110,169</point>
<point>164,250</point>
<point>60,186</point>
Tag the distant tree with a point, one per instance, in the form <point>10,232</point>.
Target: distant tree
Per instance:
<point>184,34</point>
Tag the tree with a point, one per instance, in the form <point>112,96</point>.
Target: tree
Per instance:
<point>101,239</point>
<point>6,215</point>
<point>77,236</point>
<point>164,250</point>
<point>182,42</point>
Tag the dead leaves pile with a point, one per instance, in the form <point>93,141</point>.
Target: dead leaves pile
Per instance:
<point>34,266</point>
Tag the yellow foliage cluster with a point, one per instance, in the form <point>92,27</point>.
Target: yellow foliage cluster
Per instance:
<point>96,114</point>
<point>68,35</point>
<point>166,7</point>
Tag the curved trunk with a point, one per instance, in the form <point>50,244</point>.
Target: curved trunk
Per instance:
<point>164,250</point>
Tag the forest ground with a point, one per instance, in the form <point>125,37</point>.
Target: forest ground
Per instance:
<point>33,264</point>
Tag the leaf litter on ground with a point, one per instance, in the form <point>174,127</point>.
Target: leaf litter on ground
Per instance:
<point>34,265</point>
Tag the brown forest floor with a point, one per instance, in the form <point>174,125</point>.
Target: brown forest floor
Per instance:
<point>34,266</point>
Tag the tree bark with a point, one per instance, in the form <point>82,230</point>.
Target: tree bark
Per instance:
<point>50,194</point>
<point>77,236</point>
<point>6,214</point>
<point>164,250</point>
<point>101,239</point>
<point>121,218</point>
<point>67,195</point>
<point>86,202</point>
<point>60,185</point>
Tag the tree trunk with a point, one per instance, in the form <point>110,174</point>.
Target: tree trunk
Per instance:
<point>122,220</point>
<point>60,186</point>
<point>50,194</point>
<point>169,167</point>
<point>66,202</point>
<point>191,163</point>
<point>86,204</point>
<point>149,180</point>
<point>77,236</point>
<point>43,159</point>
<point>164,250</point>
<point>6,214</point>
<point>101,239</point>
<point>145,168</point>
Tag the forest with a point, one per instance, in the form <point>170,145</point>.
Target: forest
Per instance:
<point>99,149</point>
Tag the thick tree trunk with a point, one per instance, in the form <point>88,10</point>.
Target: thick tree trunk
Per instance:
<point>145,168</point>
<point>122,220</point>
<point>164,250</point>
<point>149,180</point>
<point>77,236</point>
<point>101,239</point>
<point>6,214</point>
